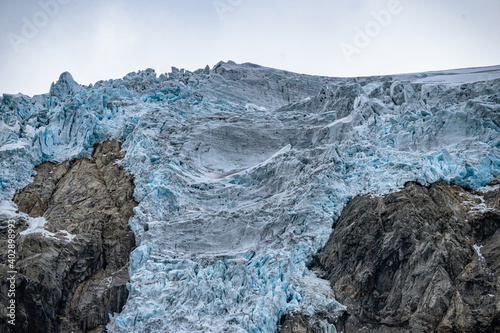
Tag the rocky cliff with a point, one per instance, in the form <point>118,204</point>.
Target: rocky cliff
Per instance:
<point>72,258</point>
<point>424,259</point>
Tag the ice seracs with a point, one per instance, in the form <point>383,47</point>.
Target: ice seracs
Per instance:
<point>65,86</point>
<point>241,170</point>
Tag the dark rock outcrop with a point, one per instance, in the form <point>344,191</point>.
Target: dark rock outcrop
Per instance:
<point>66,283</point>
<point>318,323</point>
<point>295,324</point>
<point>425,259</point>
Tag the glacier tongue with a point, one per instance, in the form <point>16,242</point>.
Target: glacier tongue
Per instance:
<point>240,172</point>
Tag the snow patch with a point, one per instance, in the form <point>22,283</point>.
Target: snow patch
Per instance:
<point>69,237</point>
<point>486,189</point>
<point>8,209</point>
<point>478,251</point>
<point>254,107</point>
<point>36,225</point>
<point>476,203</point>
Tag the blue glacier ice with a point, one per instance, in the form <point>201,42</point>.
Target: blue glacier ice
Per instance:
<point>241,171</point>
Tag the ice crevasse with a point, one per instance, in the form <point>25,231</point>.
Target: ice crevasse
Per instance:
<point>241,171</point>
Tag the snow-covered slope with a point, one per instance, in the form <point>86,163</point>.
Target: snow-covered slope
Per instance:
<point>240,171</point>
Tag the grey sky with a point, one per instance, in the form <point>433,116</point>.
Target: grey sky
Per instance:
<point>97,40</point>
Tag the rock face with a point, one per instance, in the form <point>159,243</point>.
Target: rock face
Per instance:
<point>425,259</point>
<point>74,276</point>
<point>299,323</point>
<point>295,324</point>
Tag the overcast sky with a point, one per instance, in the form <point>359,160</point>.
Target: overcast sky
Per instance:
<point>105,39</point>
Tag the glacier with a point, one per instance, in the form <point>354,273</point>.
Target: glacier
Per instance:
<point>241,171</point>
